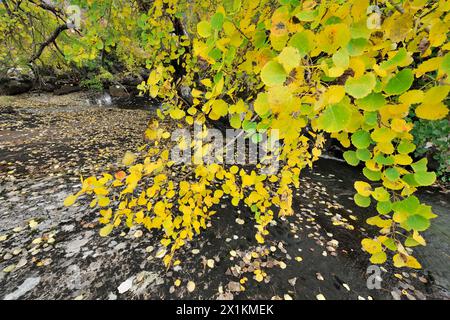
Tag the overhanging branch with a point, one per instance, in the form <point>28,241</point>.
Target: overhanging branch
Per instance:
<point>48,41</point>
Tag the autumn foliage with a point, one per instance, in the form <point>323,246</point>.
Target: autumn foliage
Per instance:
<point>348,70</point>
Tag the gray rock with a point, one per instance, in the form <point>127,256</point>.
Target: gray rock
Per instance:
<point>16,81</point>
<point>26,286</point>
<point>66,89</point>
<point>73,247</point>
<point>118,91</point>
<point>126,285</point>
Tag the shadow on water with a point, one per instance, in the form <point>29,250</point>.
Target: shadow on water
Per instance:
<point>338,177</point>
<point>127,102</point>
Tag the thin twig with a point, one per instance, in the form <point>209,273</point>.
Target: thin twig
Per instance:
<point>397,6</point>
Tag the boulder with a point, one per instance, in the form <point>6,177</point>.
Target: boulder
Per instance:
<point>131,80</point>
<point>48,83</point>
<point>16,81</point>
<point>66,89</point>
<point>118,91</point>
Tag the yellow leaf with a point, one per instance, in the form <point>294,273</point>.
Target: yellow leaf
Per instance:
<point>412,97</point>
<point>259,277</point>
<point>419,238</point>
<point>103,202</point>
<point>70,200</point>
<point>363,188</point>
<point>432,111</point>
<point>106,230</point>
<point>427,66</point>
<point>334,94</point>
<point>378,258</point>
<point>159,208</point>
<point>128,158</point>
<point>165,242</point>
<point>371,246</point>
<point>259,238</point>
<point>412,262</point>
<point>436,94</point>
<point>219,108</point>
<point>177,113</point>
<point>289,58</point>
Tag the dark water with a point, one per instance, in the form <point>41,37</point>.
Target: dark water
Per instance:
<point>435,257</point>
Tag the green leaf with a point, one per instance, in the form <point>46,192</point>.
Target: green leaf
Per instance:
<point>371,118</point>
<point>204,29</point>
<point>261,105</point>
<point>362,201</point>
<point>445,64</point>
<point>361,139</point>
<point>360,87</point>
<point>235,121</point>
<point>418,222</point>
<point>372,102</point>
<point>335,118</point>
<point>386,161</point>
<point>425,178</point>
<point>249,126</point>
<point>410,242</point>
<point>406,147</point>
<point>273,74</point>
<point>372,175</point>
<point>357,46</point>
<point>420,165</point>
<point>408,205</point>
<point>392,174</point>
<point>380,194</point>
<point>303,41</point>
<point>351,158</point>
<point>341,59</point>
<point>390,244</point>
<point>363,154</point>
<point>399,57</point>
<point>384,207</point>
<point>401,82</point>
<point>409,179</point>
<point>217,21</point>
<point>307,16</point>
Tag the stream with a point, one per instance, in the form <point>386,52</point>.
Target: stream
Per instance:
<point>47,142</point>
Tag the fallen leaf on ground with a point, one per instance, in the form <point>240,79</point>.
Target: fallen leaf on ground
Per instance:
<point>320,297</point>
<point>190,286</point>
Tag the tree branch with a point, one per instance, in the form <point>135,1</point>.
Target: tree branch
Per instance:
<point>397,6</point>
<point>56,11</point>
<point>49,40</point>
